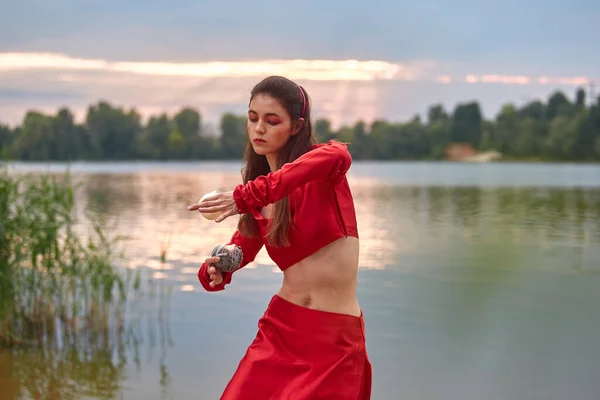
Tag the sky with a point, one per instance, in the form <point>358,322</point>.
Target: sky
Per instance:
<point>359,60</point>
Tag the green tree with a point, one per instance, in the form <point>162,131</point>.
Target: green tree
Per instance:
<point>72,141</point>
<point>526,143</point>
<point>7,137</point>
<point>438,130</point>
<point>154,140</point>
<point>580,98</point>
<point>233,135</point>
<point>35,141</point>
<point>558,129</point>
<point>558,104</point>
<point>507,128</point>
<point>561,139</point>
<point>322,130</point>
<point>437,113</point>
<point>113,132</point>
<point>187,121</point>
<point>467,124</point>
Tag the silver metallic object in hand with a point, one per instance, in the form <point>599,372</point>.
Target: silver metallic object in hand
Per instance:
<point>230,257</point>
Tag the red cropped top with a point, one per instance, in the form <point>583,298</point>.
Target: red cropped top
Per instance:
<point>321,204</point>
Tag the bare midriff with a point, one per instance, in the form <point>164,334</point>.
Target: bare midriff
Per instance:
<point>325,280</point>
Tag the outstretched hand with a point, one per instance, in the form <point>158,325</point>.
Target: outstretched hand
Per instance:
<point>220,202</point>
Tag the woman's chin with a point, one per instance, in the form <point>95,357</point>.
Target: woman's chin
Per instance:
<point>261,151</point>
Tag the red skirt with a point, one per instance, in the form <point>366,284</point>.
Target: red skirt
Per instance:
<point>301,354</point>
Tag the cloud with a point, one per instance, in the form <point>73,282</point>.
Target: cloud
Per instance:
<point>311,70</point>
<point>32,61</point>
<point>342,90</point>
<point>329,70</point>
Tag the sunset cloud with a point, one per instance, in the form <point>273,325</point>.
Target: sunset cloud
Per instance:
<point>318,70</point>
<point>342,90</point>
<point>311,70</point>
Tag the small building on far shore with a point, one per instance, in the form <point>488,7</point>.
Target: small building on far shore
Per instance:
<point>466,153</point>
<point>459,151</point>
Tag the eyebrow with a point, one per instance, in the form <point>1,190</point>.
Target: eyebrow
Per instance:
<point>267,114</point>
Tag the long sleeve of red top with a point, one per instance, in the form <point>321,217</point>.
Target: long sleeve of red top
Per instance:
<point>329,161</point>
<point>250,248</point>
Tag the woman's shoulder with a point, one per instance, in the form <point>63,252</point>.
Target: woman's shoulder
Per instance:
<point>334,145</point>
<point>331,151</point>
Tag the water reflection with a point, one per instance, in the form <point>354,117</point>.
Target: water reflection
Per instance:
<point>95,364</point>
<point>396,222</point>
<point>470,291</point>
<point>94,371</point>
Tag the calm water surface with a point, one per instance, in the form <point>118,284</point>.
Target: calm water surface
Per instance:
<point>477,281</point>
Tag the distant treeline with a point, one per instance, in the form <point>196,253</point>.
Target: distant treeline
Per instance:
<point>560,129</point>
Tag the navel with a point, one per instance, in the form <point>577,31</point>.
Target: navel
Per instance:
<point>307,302</point>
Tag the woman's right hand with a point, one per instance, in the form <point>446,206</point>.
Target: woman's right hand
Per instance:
<point>216,277</point>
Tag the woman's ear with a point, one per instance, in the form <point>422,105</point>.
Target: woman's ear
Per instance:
<point>298,124</point>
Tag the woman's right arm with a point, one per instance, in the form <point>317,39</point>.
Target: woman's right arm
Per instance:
<point>250,248</point>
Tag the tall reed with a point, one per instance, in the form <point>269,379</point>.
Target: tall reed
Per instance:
<point>54,281</point>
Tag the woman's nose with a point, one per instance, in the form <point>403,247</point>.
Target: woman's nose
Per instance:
<point>260,128</point>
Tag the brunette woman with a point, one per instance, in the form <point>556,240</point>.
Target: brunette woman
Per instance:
<point>296,201</point>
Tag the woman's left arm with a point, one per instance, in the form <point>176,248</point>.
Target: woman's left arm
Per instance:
<point>327,162</point>
<point>330,161</point>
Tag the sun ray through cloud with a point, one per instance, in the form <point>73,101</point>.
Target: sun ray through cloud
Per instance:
<point>343,91</point>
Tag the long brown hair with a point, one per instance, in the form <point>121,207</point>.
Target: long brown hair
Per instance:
<point>294,99</point>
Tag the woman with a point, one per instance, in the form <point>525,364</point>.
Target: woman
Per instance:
<point>296,201</point>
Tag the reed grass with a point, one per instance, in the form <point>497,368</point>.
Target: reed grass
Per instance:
<point>55,282</point>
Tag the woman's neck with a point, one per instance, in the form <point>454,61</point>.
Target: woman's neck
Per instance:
<point>272,160</point>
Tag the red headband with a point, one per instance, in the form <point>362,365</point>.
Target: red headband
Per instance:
<point>303,101</point>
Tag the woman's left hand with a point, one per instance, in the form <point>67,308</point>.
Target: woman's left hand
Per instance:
<point>220,202</point>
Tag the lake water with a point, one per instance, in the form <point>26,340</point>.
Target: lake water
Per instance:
<point>478,281</point>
